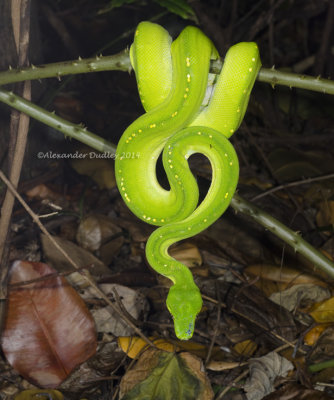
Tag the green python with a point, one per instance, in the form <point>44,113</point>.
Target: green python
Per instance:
<point>172,79</point>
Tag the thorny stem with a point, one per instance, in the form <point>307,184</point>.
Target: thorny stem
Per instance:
<point>121,62</point>
<point>48,118</point>
<point>116,62</point>
<point>294,239</point>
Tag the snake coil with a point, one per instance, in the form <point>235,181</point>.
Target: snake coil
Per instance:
<point>172,79</point>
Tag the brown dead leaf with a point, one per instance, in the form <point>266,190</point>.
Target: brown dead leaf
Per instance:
<point>293,391</point>
<point>187,253</point>
<point>95,230</point>
<point>79,255</point>
<point>101,170</point>
<point>325,215</point>
<point>45,192</point>
<point>271,278</point>
<point>48,329</point>
<point>263,372</point>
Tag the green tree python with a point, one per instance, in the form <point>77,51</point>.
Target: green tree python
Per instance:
<point>172,79</point>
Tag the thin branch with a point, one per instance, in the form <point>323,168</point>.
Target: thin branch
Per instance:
<point>284,233</point>
<point>116,62</point>
<point>48,118</point>
<point>292,184</point>
<point>121,62</point>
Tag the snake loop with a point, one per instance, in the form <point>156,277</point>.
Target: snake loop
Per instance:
<point>172,80</point>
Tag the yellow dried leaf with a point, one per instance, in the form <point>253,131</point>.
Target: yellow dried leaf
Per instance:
<point>313,334</point>
<point>323,312</point>
<point>245,348</point>
<point>132,346</point>
<point>34,394</point>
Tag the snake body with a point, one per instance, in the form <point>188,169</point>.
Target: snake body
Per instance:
<point>172,81</point>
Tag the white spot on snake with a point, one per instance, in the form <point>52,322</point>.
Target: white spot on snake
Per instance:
<point>226,195</point>
<point>140,131</point>
<point>253,59</point>
<point>210,136</point>
<point>231,163</point>
<point>188,62</point>
<point>176,176</point>
<point>189,228</point>
<point>250,69</point>
<point>188,78</point>
<point>162,220</point>
<point>205,220</point>
<point>169,161</point>
<point>199,133</point>
<point>231,130</point>
<point>154,220</point>
<point>238,110</point>
<point>153,125</point>
<point>225,154</point>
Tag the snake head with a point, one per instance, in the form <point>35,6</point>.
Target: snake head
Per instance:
<point>184,304</point>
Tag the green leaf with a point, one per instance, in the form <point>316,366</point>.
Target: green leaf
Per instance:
<point>178,7</point>
<point>115,4</point>
<point>166,376</point>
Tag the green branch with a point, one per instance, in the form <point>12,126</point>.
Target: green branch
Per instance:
<point>48,118</point>
<point>290,79</point>
<point>284,233</point>
<point>117,62</point>
<point>121,62</point>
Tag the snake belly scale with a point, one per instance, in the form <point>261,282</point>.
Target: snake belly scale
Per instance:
<point>172,79</point>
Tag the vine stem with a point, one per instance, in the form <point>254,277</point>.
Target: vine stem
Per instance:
<point>294,239</point>
<point>116,62</point>
<point>121,62</point>
<point>74,131</point>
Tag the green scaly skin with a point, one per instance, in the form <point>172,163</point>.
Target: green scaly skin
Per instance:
<point>172,80</point>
